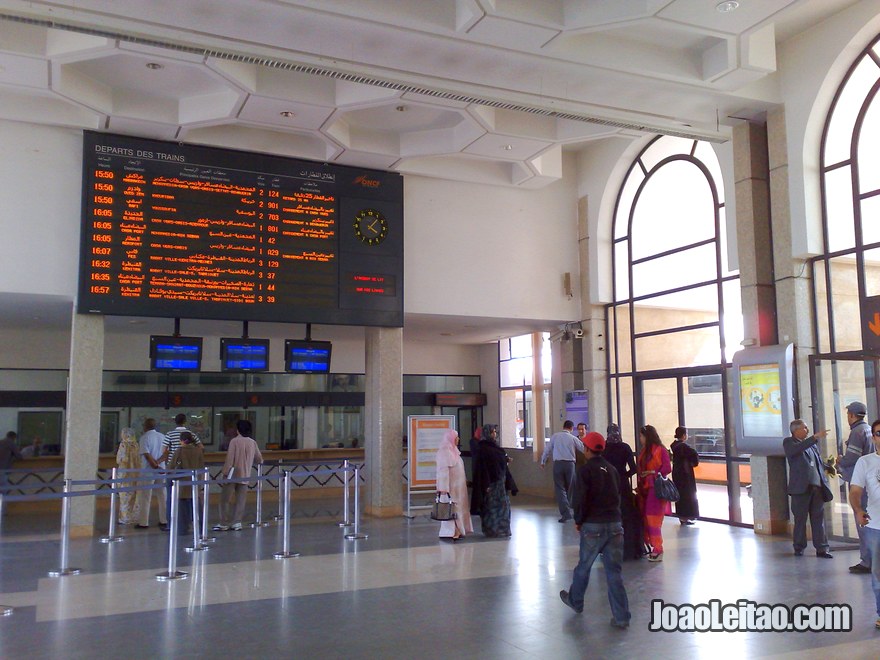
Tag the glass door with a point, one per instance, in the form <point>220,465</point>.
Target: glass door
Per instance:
<point>696,402</point>
<point>836,381</point>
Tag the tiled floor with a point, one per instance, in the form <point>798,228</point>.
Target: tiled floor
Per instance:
<point>403,594</point>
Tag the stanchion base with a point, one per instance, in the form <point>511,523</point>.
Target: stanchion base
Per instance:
<point>198,548</point>
<point>112,539</point>
<point>355,537</point>
<point>61,572</point>
<point>255,524</point>
<point>278,517</point>
<point>5,611</point>
<point>285,555</point>
<point>167,577</point>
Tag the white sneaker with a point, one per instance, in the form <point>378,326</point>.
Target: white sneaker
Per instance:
<point>220,528</point>
<point>236,527</point>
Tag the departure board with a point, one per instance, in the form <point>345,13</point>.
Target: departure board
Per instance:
<point>185,231</point>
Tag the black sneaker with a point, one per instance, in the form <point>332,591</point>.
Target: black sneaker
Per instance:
<point>563,596</point>
<point>859,568</point>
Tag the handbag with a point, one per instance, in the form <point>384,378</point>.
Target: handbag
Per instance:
<point>827,495</point>
<point>443,510</point>
<point>664,489</point>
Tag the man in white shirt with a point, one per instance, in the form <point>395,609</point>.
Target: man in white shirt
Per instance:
<point>563,447</point>
<point>151,447</point>
<point>866,479</point>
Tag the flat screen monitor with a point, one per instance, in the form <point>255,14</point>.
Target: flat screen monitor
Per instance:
<point>175,353</point>
<point>307,357</point>
<point>763,380</point>
<point>244,354</point>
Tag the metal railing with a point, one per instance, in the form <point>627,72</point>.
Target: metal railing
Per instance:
<point>119,484</point>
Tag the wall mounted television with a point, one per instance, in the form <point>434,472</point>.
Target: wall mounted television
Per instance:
<point>307,357</point>
<point>177,230</point>
<point>244,354</point>
<point>175,353</point>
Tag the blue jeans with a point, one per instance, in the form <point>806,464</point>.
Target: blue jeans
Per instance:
<point>872,541</point>
<point>605,539</point>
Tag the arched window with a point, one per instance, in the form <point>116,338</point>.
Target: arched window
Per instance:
<point>676,319</point>
<point>848,272</point>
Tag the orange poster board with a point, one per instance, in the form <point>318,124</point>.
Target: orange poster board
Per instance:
<point>425,434</point>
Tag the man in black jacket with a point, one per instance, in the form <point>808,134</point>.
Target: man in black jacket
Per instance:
<point>597,518</point>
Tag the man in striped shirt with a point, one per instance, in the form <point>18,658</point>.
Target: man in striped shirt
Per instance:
<point>171,445</point>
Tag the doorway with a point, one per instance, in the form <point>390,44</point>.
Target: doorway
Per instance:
<point>695,400</point>
<point>835,381</point>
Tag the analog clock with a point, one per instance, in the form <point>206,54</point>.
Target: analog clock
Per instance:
<point>370,226</point>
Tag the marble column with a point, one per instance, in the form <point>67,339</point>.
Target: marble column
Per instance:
<point>82,431</point>
<point>384,422</point>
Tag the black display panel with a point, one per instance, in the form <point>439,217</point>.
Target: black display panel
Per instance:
<point>175,353</point>
<point>307,357</point>
<point>184,231</point>
<point>244,354</point>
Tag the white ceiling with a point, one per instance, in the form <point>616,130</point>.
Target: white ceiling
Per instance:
<point>487,90</point>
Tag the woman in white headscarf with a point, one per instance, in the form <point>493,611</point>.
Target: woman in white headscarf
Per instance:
<point>452,483</point>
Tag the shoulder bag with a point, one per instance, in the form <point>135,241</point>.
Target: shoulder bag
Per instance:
<point>664,489</point>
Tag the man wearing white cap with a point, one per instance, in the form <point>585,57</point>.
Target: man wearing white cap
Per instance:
<point>858,444</point>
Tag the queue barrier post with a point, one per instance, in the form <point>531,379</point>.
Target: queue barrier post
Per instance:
<point>172,573</point>
<point>355,534</point>
<point>111,533</point>
<point>206,497</point>
<point>345,522</point>
<point>197,545</point>
<point>280,514</point>
<point>285,552</point>
<point>64,569</point>
<point>259,520</point>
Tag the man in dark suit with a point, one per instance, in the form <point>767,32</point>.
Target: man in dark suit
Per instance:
<point>806,484</point>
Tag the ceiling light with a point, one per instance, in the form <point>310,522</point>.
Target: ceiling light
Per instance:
<point>727,6</point>
<point>287,113</point>
<point>155,66</point>
<point>507,147</point>
<point>401,108</point>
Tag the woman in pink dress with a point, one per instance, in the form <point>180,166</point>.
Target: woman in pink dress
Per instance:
<point>653,459</point>
<point>452,483</point>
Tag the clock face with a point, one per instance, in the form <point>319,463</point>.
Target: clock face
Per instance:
<point>370,226</point>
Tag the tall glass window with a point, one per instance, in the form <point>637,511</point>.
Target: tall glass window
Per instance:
<point>676,316</point>
<point>516,376</point>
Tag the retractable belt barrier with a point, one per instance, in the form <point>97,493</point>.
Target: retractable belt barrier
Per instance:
<point>177,477</point>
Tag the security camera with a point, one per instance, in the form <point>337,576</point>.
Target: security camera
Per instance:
<point>578,333</point>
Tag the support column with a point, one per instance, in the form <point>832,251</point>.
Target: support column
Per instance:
<point>590,353</point>
<point>793,278</point>
<point>384,421</point>
<point>82,431</point>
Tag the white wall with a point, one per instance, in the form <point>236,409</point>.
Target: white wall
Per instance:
<point>40,193</point>
<point>477,250</point>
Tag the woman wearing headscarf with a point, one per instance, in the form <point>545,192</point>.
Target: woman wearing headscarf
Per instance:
<point>653,460</point>
<point>621,456</point>
<point>490,480</point>
<point>452,485</point>
<point>128,457</point>
<point>684,460</point>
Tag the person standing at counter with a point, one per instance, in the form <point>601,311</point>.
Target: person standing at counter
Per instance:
<point>8,454</point>
<point>243,454</point>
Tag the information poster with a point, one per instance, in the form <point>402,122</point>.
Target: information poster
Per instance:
<point>761,401</point>
<point>425,434</point>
